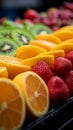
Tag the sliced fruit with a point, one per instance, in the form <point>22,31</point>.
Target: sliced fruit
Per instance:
<point>14,65</point>
<point>3,72</point>
<point>35,92</point>
<point>32,61</point>
<point>22,37</point>
<point>65,46</point>
<point>8,46</point>
<point>48,37</point>
<point>40,29</point>
<point>63,34</point>
<point>43,44</point>
<point>4,33</point>
<point>55,53</point>
<point>29,51</point>
<point>12,106</point>
<point>67,41</point>
<point>69,27</point>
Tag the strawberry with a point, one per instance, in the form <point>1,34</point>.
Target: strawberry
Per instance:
<point>69,81</point>
<point>69,56</point>
<point>43,70</point>
<point>62,65</point>
<point>58,90</point>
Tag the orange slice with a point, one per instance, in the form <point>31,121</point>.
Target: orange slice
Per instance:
<point>63,34</point>
<point>67,41</point>
<point>56,53</point>
<point>43,44</point>
<point>3,72</point>
<point>32,61</point>
<point>14,65</point>
<point>70,28</point>
<point>48,37</point>
<point>12,106</point>
<point>35,92</point>
<point>28,51</point>
<point>65,46</point>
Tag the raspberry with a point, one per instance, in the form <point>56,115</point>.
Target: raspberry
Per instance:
<point>58,90</point>
<point>43,70</point>
<point>69,55</point>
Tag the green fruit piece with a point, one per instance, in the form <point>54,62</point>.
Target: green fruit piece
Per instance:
<point>8,23</point>
<point>40,29</point>
<point>4,33</point>
<point>22,37</point>
<point>8,47</point>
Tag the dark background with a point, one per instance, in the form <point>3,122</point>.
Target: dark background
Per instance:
<point>15,8</point>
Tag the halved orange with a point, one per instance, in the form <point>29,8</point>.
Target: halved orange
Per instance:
<point>63,34</point>
<point>32,61</point>
<point>28,51</point>
<point>12,106</point>
<point>3,72</point>
<point>43,44</point>
<point>48,37</point>
<point>35,92</point>
<point>14,65</point>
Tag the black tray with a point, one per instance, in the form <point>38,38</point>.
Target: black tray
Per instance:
<point>59,118</point>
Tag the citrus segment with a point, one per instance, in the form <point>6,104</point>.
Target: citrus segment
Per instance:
<point>12,106</point>
<point>48,37</point>
<point>56,53</point>
<point>14,65</point>
<point>28,51</point>
<point>43,44</point>
<point>63,34</point>
<point>32,61</point>
<point>35,92</point>
<point>67,41</point>
<point>3,72</point>
<point>65,46</point>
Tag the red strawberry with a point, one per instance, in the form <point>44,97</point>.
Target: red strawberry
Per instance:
<point>62,65</point>
<point>69,55</point>
<point>58,90</point>
<point>31,14</point>
<point>43,70</point>
<point>69,81</point>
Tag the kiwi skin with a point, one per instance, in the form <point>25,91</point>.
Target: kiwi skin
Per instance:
<point>8,47</point>
<point>22,37</point>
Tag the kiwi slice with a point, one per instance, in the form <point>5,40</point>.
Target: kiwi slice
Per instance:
<point>4,33</point>
<point>22,37</point>
<point>40,29</point>
<point>8,47</point>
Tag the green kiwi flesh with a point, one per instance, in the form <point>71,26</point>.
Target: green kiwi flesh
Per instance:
<point>22,37</point>
<point>8,47</point>
<point>40,29</point>
<point>4,33</point>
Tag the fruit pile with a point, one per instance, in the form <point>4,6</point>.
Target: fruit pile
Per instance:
<point>35,72</point>
<point>54,18</point>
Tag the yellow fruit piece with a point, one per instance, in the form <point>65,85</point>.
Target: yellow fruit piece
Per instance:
<point>28,51</point>
<point>32,61</point>
<point>70,28</point>
<point>14,65</point>
<point>12,106</point>
<point>65,46</point>
<point>63,34</point>
<point>48,37</point>
<point>43,44</point>
<point>3,72</point>
<point>56,53</point>
<point>67,41</point>
<point>35,92</point>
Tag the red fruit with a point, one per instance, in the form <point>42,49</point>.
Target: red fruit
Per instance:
<point>31,14</point>
<point>69,81</point>
<point>43,70</point>
<point>62,65</point>
<point>68,5</point>
<point>58,90</point>
<point>69,55</point>
<point>18,21</point>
